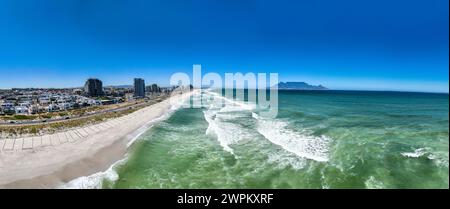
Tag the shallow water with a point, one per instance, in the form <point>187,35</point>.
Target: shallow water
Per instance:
<point>320,139</point>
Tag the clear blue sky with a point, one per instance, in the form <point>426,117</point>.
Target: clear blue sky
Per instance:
<point>373,44</point>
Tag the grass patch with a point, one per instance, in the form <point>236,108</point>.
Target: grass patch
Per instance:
<point>24,117</point>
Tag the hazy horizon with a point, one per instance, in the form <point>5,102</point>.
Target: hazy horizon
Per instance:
<point>329,89</point>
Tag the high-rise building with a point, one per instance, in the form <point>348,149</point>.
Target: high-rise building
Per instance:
<point>93,87</point>
<point>139,87</point>
<point>153,88</point>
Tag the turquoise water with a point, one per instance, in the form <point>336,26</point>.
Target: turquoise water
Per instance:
<point>320,139</point>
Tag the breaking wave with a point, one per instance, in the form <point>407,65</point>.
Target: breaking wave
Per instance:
<point>303,145</point>
<point>95,181</point>
<point>274,130</point>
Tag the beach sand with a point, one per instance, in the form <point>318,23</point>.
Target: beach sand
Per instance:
<point>51,160</point>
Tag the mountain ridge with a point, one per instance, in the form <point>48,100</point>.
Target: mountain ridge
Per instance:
<point>299,86</point>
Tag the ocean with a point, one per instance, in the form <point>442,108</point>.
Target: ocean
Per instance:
<point>319,139</point>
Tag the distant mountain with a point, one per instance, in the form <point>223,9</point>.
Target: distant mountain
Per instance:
<point>299,86</point>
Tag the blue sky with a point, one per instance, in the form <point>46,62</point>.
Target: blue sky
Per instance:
<point>349,44</point>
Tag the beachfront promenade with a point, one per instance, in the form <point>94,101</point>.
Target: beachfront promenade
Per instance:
<point>68,136</point>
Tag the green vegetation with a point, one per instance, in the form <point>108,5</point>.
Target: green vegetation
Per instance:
<point>103,98</point>
<point>15,129</point>
<point>19,117</point>
<point>24,117</point>
<point>46,116</point>
<point>56,126</point>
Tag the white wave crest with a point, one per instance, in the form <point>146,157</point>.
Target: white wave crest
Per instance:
<point>219,111</point>
<point>439,158</point>
<point>417,153</point>
<point>94,181</point>
<point>225,132</point>
<point>303,145</point>
<point>227,101</point>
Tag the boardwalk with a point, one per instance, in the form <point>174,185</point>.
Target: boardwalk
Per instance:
<point>68,136</point>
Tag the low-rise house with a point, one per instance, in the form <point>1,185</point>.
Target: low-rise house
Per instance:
<point>25,104</point>
<point>77,91</point>
<point>21,110</point>
<point>108,101</point>
<point>44,101</point>
<point>52,108</point>
<point>7,108</point>
<point>6,105</point>
<point>64,106</point>
<point>34,109</point>
<point>129,97</point>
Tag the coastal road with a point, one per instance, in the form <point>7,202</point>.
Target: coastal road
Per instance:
<point>87,115</point>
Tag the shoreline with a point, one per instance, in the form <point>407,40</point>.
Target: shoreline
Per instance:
<point>84,155</point>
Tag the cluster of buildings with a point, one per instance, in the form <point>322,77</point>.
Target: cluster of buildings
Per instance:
<point>28,101</point>
<point>32,101</point>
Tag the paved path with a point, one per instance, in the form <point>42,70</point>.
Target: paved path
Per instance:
<point>68,136</point>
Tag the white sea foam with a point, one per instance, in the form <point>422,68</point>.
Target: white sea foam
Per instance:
<point>283,160</point>
<point>219,110</point>
<point>417,153</point>
<point>95,180</point>
<point>303,145</point>
<point>276,131</point>
<point>439,158</point>
<point>225,132</point>
<point>372,183</point>
<point>227,101</point>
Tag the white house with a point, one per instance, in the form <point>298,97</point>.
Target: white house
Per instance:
<point>21,110</point>
<point>64,106</point>
<point>52,108</point>
<point>44,101</point>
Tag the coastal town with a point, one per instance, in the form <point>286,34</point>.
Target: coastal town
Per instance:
<point>31,104</point>
<point>36,111</point>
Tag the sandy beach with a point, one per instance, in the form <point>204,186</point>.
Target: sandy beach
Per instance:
<point>51,160</point>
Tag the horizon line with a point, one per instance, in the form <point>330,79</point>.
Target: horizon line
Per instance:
<point>362,90</point>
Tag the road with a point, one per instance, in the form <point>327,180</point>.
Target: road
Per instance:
<point>87,115</point>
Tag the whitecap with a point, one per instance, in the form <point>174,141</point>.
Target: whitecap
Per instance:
<point>94,181</point>
<point>283,160</point>
<point>372,183</point>
<point>220,110</point>
<point>417,153</point>
<point>303,145</point>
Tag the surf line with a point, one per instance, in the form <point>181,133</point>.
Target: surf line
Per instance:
<point>256,87</point>
<point>194,199</point>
